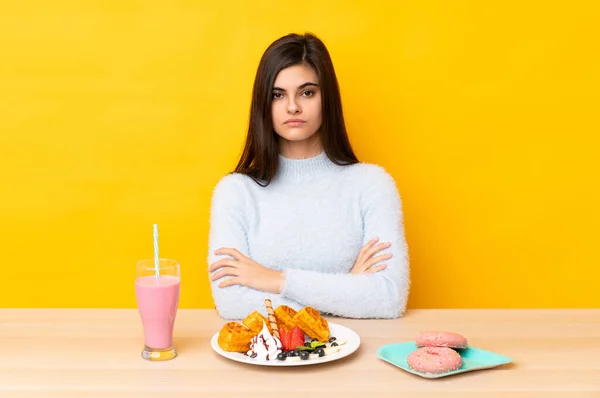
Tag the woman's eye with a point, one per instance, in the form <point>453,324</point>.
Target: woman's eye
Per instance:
<point>277,95</point>
<point>308,93</point>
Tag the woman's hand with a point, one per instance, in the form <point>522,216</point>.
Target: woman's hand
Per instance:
<point>365,263</point>
<point>245,271</point>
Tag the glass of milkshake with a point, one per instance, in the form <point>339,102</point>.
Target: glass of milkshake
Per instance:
<point>157,295</point>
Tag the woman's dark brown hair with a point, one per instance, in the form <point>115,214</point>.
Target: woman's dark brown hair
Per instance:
<point>260,158</point>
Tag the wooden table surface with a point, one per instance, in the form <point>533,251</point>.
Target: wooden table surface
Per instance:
<point>96,353</point>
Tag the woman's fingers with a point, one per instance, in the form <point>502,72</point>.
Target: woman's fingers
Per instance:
<point>224,262</point>
<point>368,264</point>
<point>227,271</point>
<point>230,282</point>
<point>376,268</point>
<point>364,249</point>
<point>230,252</point>
<point>376,249</point>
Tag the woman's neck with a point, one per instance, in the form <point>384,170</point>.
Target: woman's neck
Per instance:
<point>301,149</point>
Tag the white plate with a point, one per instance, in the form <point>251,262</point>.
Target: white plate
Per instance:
<point>337,331</point>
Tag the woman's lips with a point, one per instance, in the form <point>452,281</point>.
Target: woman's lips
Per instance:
<point>295,123</point>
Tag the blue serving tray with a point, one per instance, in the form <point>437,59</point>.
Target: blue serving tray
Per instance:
<point>473,359</point>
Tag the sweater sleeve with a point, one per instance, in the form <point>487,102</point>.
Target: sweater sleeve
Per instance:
<point>380,295</point>
<point>228,228</point>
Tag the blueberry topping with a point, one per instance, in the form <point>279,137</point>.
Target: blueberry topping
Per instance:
<point>334,344</point>
<point>303,355</point>
<point>332,339</point>
<point>320,351</point>
<point>281,356</point>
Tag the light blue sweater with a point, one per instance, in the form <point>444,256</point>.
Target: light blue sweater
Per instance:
<point>311,222</point>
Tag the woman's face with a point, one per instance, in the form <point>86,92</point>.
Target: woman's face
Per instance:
<point>296,106</point>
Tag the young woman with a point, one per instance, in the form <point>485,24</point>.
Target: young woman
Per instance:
<point>301,221</point>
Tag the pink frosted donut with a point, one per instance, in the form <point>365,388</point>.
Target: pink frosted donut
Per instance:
<point>441,339</point>
<point>434,360</point>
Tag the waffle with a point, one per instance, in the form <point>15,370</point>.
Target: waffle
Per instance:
<point>235,337</point>
<point>285,317</point>
<point>312,323</point>
<point>254,321</point>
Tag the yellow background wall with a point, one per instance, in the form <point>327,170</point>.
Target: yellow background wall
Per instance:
<point>119,114</point>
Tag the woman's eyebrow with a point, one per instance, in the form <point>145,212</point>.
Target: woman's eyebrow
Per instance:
<point>303,85</point>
